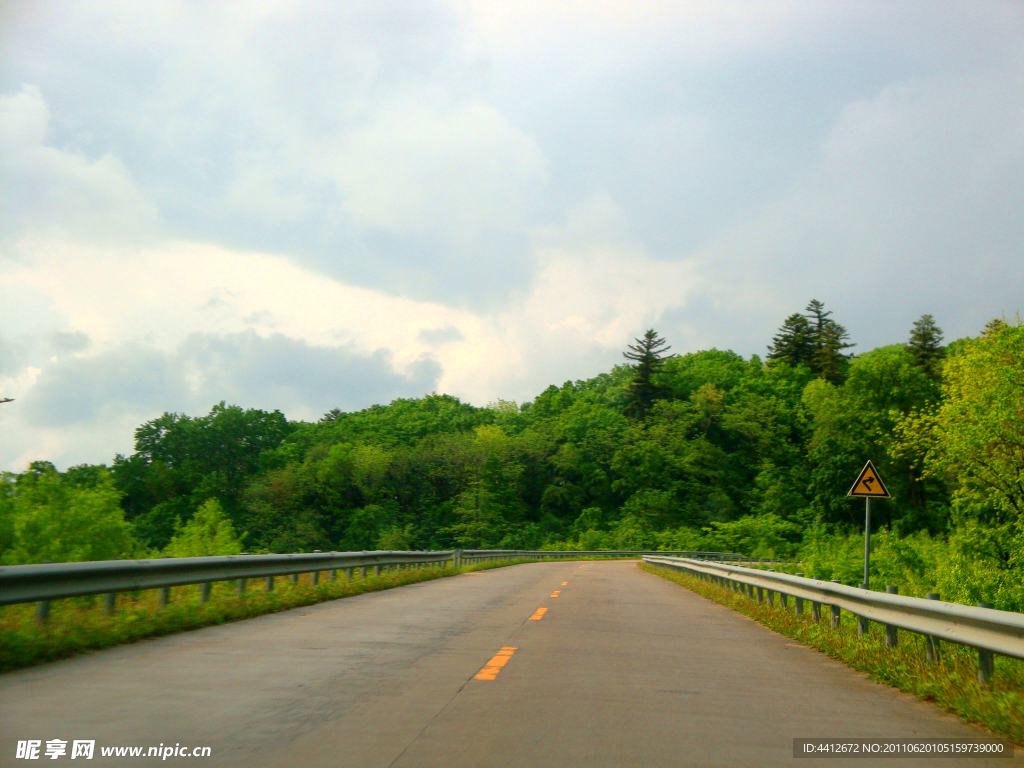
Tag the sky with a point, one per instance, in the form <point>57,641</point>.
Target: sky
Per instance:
<point>305,205</point>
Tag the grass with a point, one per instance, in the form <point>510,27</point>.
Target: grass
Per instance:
<point>952,683</point>
<point>78,625</point>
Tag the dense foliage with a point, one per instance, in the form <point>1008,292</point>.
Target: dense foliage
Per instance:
<point>703,450</point>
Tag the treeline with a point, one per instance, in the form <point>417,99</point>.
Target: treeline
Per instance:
<point>704,450</point>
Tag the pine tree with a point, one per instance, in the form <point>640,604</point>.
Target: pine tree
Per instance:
<point>793,345</point>
<point>993,326</point>
<point>829,361</point>
<point>814,340</point>
<point>643,391</point>
<point>829,339</point>
<point>926,345</point>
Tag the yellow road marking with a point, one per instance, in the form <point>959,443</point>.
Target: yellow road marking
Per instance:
<point>493,667</point>
<point>556,593</point>
<point>565,583</point>
<point>539,614</point>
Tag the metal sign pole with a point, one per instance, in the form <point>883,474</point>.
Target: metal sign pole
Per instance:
<point>867,539</point>
<point>868,484</point>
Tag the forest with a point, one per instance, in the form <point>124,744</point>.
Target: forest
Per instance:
<point>705,450</point>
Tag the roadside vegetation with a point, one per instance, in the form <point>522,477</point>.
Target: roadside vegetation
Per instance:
<point>952,683</point>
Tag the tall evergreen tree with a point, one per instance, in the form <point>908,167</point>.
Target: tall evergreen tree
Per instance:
<point>814,340</point>
<point>643,391</point>
<point>829,361</point>
<point>926,345</point>
<point>829,339</point>
<point>793,345</point>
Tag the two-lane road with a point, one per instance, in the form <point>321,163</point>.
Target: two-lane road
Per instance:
<point>621,669</point>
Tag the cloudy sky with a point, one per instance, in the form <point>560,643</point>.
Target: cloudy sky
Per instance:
<point>309,205</point>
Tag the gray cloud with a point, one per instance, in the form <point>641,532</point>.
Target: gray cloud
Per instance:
<point>285,373</point>
<point>64,342</point>
<point>80,391</point>
<point>867,154</point>
<point>438,336</point>
<point>385,146</point>
<point>13,355</point>
<point>245,369</point>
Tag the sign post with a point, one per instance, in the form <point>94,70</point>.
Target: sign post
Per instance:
<point>869,485</point>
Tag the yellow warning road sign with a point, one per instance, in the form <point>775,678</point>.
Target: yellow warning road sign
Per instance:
<point>869,483</point>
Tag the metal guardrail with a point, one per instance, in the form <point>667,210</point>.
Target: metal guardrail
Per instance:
<point>53,581</point>
<point>982,627</point>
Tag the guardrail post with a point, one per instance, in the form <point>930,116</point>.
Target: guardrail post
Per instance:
<point>760,595</point>
<point>240,585</point>
<point>165,596</point>
<point>205,591</point>
<point>863,625</point>
<point>798,602</point>
<point>931,643</point>
<point>109,603</point>
<point>294,578</point>
<point>891,633</point>
<point>836,613</point>
<point>334,574</point>
<point>366,571</point>
<point>43,606</point>
<point>316,578</point>
<point>270,583</point>
<point>986,659</point>
<point>376,570</point>
<point>815,611</point>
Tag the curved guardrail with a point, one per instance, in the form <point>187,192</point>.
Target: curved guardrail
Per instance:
<point>981,627</point>
<point>54,581</point>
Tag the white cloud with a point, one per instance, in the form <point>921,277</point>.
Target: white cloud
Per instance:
<point>415,171</point>
<point>47,189</point>
<point>914,207</point>
<point>222,200</point>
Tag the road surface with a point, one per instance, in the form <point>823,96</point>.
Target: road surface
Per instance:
<point>622,669</point>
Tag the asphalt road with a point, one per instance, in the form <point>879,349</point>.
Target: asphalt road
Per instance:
<point>622,669</point>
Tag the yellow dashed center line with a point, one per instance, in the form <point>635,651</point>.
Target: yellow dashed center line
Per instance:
<point>539,614</point>
<point>493,667</point>
<point>565,583</point>
<point>556,593</point>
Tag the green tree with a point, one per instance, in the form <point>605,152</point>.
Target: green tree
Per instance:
<point>973,440</point>
<point>45,516</point>
<point>181,461</point>
<point>209,532</point>
<point>979,426</point>
<point>643,391</point>
<point>828,340</point>
<point>793,345</point>
<point>925,345</point>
